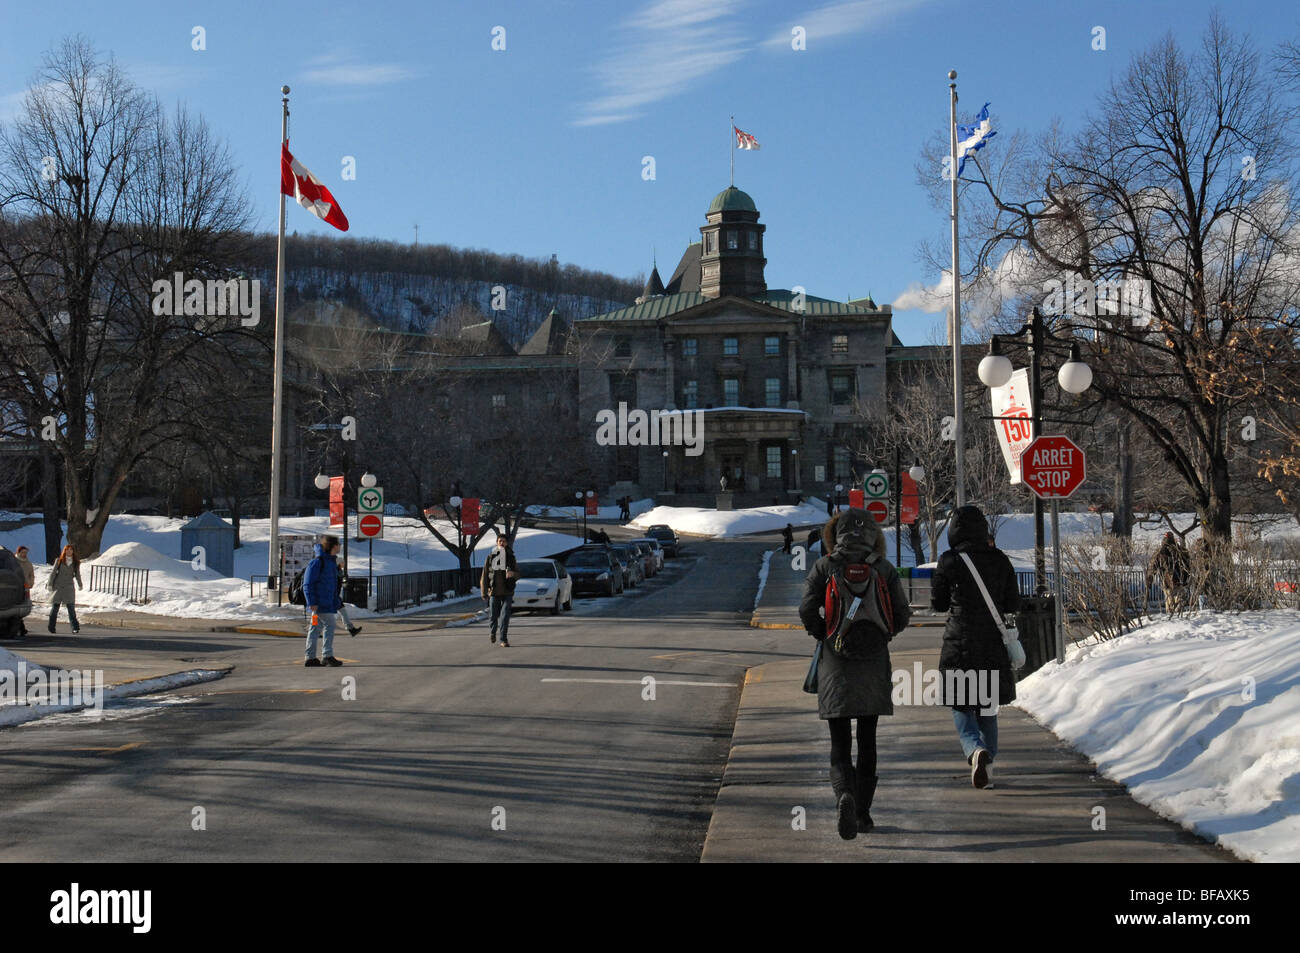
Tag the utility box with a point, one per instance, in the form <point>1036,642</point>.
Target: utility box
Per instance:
<point>216,536</point>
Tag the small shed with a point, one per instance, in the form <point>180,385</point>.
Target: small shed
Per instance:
<point>216,536</point>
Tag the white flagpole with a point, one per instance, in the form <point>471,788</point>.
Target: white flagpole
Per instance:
<point>954,326</point>
<point>732,132</point>
<point>272,557</point>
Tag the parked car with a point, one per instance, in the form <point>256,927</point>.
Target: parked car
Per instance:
<point>633,564</point>
<point>543,584</point>
<point>667,538</point>
<point>594,569</point>
<point>655,548</point>
<point>649,562</point>
<point>14,603</point>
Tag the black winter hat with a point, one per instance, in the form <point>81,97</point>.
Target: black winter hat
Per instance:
<point>968,526</point>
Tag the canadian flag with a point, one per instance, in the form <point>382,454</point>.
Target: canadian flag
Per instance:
<point>296,180</point>
<point>744,140</point>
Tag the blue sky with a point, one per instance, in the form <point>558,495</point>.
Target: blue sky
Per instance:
<point>538,149</point>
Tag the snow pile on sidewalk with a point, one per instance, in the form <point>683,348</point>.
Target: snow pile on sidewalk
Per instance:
<point>1199,717</point>
<point>696,521</point>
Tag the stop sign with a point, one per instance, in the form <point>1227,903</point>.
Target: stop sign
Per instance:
<point>371,525</point>
<point>879,510</point>
<point>1053,466</point>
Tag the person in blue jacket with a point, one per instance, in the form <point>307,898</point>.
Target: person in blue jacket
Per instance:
<point>320,590</point>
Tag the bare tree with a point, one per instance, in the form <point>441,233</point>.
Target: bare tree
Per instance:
<point>102,195</point>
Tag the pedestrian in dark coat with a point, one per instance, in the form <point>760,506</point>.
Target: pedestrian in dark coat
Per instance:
<point>1171,564</point>
<point>974,661</point>
<point>64,581</point>
<point>787,538</point>
<point>497,586</point>
<point>855,680</point>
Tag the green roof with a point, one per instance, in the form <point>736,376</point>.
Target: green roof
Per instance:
<point>731,199</point>
<point>668,305</point>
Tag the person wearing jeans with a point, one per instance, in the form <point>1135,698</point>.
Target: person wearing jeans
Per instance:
<point>320,589</point>
<point>497,585</point>
<point>974,659</point>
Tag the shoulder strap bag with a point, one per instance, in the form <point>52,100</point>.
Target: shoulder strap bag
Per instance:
<point>1010,637</point>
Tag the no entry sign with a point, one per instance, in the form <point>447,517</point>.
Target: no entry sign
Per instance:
<point>879,510</point>
<point>371,526</point>
<point>1053,466</point>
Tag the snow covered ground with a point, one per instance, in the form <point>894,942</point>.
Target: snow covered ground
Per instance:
<point>1198,716</point>
<point>697,521</point>
<point>177,589</point>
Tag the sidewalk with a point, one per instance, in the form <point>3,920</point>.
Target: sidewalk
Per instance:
<point>1042,808</point>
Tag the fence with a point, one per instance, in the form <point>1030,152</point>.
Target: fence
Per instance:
<point>121,581</point>
<point>1132,581</point>
<point>398,590</point>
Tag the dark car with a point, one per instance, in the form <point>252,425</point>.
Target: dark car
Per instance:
<point>667,538</point>
<point>594,569</point>
<point>14,602</point>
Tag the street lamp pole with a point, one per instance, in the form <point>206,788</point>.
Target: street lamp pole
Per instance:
<point>898,505</point>
<point>1036,429</point>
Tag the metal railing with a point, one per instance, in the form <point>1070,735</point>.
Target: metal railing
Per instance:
<point>399,590</point>
<point>124,581</point>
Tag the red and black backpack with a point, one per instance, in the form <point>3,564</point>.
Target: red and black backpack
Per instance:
<point>857,581</point>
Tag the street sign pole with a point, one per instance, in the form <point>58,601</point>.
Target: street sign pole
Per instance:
<point>1058,585</point>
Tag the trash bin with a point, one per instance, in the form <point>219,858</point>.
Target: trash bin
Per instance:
<point>356,592</point>
<point>1036,623</point>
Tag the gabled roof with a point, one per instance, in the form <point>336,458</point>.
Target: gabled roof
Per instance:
<point>551,337</point>
<point>686,277</point>
<point>486,338</point>
<point>672,304</point>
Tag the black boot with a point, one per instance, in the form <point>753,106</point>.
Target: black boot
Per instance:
<point>846,807</point>
<point>866,794</point>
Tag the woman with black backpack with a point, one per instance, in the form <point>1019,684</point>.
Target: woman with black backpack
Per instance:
<point>853,605</point>
<point>975,584</point>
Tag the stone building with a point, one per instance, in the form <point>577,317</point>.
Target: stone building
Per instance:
<point>773,373</point>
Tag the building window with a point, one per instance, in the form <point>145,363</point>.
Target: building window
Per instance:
<point>690,347</point>
<point>732,241</point>
<point>774,461</point>
<point>753,241</point>
<point>772,346</point>
<point>708,243</point>
<point>772,391</point>
<point>623,348</point>
<point>839,344</point>
<point>691,395</point>
<point>841,388</point>
<point>498,401</point>
<point>841,465</point>
<point>730,346</point>
<point>731,392</point>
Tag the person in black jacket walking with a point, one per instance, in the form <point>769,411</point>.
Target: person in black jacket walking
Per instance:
<point>974,661</point>
<point>497,586</point>
<point>854,678</point>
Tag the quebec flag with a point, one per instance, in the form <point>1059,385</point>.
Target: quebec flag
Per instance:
<point>972,138</point>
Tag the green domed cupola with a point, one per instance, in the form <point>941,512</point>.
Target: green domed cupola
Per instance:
<point>731,259</point>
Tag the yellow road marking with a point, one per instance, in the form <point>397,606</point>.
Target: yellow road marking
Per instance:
<point>753,676</point>
<point>117,750</point>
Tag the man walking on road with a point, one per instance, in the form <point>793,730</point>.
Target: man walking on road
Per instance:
<point>497,584</point>
<point>787,537</point>
<point>320,589</point>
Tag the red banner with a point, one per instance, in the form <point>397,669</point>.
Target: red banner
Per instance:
<point>911,500</point>
<point>337,515</point>
<point>856,499</point>
<point>469,516</point>
<point>593,505</point>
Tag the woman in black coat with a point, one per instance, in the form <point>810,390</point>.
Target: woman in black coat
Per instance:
<point>854,677</point>
<point>975,663</point>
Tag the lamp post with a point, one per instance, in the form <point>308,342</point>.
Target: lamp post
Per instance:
<point>665,456</point>
<point>794,465</point>
<point>577,531</point>
<point>835,504</point>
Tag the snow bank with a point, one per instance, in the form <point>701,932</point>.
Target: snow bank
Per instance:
<point>1199,717</point>
<point>697,521</point>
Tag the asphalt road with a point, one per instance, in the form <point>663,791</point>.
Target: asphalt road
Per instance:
<point>449,740</point>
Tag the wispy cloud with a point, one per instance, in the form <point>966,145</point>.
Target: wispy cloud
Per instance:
<point>336,70</point>
<point>843,19</point>
<point>669,45</point>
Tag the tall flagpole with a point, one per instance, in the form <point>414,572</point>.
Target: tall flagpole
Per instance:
<point>732,133</point>
<point>272,557</point>
<point>954,326</point>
